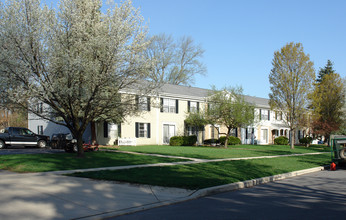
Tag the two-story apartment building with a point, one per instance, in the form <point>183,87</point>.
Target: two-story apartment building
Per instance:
<point>163,116</point>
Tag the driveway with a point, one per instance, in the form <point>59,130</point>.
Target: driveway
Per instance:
<point>318,195</point>
<point>18,150</point>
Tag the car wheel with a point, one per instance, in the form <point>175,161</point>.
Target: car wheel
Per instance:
<point>42,144</point>
<point>75,148</point>
<point>2,144</point>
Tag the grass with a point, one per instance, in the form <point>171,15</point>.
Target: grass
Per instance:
<point>197,176</point>
<point>66,161</point>
<point>230,152</point>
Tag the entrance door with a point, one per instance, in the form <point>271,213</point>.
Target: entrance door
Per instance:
<point>168,132</point>
<point>264,135</point>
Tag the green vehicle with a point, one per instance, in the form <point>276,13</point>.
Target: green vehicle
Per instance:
<point>338,149</point>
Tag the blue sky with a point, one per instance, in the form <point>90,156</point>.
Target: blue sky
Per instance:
<point>240,37</point>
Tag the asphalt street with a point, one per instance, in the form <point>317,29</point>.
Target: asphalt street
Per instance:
<point>318,195</point>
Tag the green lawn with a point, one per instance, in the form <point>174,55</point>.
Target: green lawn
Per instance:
<point>197,176</point>
<point>68,161</point>
<point>230,152</point>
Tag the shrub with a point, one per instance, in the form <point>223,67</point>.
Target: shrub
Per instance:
<point>231,140</point>
<point>176,141</point>
<point>282,140</point>
<point>211,141</point>
<point>189,140</point>
<point>183,140</point>
<point>305,140</point>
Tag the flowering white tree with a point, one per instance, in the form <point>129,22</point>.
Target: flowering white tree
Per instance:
<point>76,60</point>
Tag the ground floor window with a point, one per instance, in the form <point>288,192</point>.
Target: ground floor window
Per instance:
<point>142,130</point>
<point>192,130</point>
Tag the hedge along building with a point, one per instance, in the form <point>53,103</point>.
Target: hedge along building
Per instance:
<point>163,115</point>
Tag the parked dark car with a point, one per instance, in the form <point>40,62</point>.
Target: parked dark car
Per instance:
<point>18,136</point>
<point>69,144</point>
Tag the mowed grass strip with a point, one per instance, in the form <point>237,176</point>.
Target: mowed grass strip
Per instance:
<point>203,175</point>
<point>230,152</point>
<point>67,161</point>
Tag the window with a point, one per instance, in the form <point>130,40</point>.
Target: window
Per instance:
<point>169,105</point>
<point>233,132</point>
<point>191,130</point>
<point>143,103</point>
<point>278,116</point>
<point>192,106</point>
<point>142,130</point>
<point>214,134</point>
<point>40,130</point>
<point>264,114</point>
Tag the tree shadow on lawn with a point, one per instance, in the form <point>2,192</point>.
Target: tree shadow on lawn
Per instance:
<point>194,176</point>
<point>69,161</point>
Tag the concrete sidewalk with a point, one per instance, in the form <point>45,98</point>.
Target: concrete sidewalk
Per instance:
<point>47,196</point>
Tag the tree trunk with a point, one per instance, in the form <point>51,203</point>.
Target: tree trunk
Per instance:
<point>227,136</point>
<point>292,138</point>
<point>80,152</point>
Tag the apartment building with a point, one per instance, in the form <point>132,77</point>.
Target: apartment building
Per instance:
<point>163,116</point>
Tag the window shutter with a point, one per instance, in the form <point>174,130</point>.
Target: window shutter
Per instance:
<point>177,106</point>
<point>246,133</point>
<point>137,127</point>
<point>188,106</point>
<point>268,115</point>
<point>137,102</point>
<point>260,114</point>
<point>197,106</point>
<point>148,102</point>
<point>119,130</point>
<point>236,132</point>
<point>148,130</point>
<point>161,105</point>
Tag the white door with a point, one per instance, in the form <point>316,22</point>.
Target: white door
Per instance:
<point>168,132</point>
<point>264,136</point>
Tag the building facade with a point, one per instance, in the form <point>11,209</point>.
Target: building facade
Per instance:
<point>163,116</point>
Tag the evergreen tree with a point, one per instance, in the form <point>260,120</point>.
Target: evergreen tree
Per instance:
<point>324,71</point>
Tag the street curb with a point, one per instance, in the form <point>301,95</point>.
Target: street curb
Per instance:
<point>209,191</point>
<point>252,183</point>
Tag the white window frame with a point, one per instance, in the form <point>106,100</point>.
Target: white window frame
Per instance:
<point>169,105</point>
<point>142,130</point>
<point>193,106</point>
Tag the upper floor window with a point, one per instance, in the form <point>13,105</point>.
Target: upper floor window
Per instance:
<point>143,103</point>
<point>169,105</point>
<point>264,114</point>
<point>192,106</point>
<point>278,116</point>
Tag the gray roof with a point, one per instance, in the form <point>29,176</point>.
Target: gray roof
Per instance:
<point>189,91</point>
<point>184,90</point>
